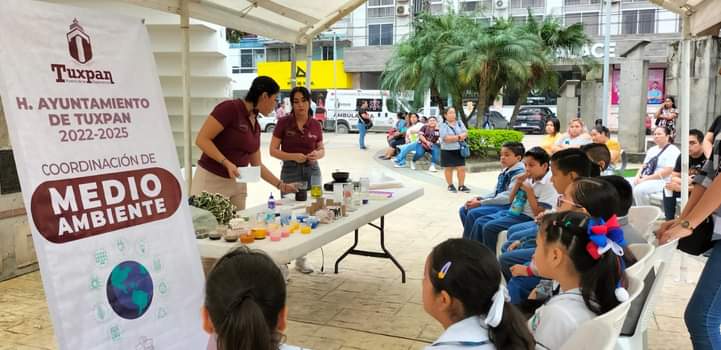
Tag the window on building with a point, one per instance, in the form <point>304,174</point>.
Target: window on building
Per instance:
<point>475,5</point>
<point>639,21</point>
<point>524,19</point>
<point>580,2</point>
<point>327,53</point>
<point>588,19</point>
<point>381,8</point>
<point>247,60</point>
<point>522,4</point>
<point>277,54</point>
<point>380,34</point>
<point>436,6</point>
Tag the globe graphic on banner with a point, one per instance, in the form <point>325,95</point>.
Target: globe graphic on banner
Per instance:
<point>130,290</point>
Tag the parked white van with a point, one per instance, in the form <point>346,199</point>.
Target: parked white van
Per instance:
<point>342,109</point>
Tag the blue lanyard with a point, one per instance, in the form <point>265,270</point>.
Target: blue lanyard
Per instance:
<point>464,344</point>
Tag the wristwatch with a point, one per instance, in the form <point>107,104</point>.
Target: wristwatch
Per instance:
<point>687,225</point>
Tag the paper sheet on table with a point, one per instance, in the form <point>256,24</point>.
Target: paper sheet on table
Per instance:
<point>383,181</point>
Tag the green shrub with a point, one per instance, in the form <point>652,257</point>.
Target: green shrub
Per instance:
<point>487,143</point>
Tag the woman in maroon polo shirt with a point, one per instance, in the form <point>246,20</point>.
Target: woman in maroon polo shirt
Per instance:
<point>298,142</point>
<point>230,138</point>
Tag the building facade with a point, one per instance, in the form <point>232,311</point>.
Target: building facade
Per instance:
<point>365,39</point>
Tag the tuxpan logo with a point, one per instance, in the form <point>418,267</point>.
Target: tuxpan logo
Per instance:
<point>79,43</point>
<point>81,50</point>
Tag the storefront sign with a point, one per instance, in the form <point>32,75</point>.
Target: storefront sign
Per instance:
<point>99,176</point>
<point>594,50</point>
<point>321,74</point>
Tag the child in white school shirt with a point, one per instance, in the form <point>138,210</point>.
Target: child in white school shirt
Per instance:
<point>590,273</point>
<point>462,290</point>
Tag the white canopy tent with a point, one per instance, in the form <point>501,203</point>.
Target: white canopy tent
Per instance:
<point>292,21</point>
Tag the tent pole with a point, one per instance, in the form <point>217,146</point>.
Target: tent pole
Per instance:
<point>308,63</point>
<point>185,66</point>
<point>685,118</point>
<point>293,67</point>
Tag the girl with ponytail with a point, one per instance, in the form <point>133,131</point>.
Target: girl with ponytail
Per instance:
<point>462,290</point>
<point>245,303</point>
<point>585,256</point>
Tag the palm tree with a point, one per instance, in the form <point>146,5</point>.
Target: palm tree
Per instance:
<point>491,57</point>
<point>552,37</point>
<point>417,63</point>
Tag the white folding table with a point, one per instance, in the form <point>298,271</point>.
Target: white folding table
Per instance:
<point>297,245</point>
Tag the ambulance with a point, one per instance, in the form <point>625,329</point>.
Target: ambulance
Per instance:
<point>342,109</point>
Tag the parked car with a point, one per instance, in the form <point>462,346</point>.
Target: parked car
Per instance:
<point>267,123</point>
<point>533,119</point>
<point>494,120</point>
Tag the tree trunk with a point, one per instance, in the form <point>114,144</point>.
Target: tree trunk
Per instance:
<point>482,104</point>
<point>434,91</point>
<point>519,101</point>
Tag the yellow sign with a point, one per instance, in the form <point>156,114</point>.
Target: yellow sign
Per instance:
<point>321,74</point>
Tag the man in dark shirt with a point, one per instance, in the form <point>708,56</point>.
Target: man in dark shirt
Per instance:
<point>696,159</point>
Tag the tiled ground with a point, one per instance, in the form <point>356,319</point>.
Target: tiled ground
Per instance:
<point>365,306</point>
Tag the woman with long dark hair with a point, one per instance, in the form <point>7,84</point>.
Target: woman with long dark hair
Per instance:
<point>666,115</point>
<point>298,142</point>
<point>230,138</point>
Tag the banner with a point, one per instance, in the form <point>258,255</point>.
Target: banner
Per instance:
<point>100,178</point>
<point>656,86</point>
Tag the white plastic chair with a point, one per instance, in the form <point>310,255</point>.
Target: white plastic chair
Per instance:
<point>617,315</point>
<point>595,332</point>
<point>643,217</point>
<point>602,331</point>
<point>660,260</point>
<point>643,253</point>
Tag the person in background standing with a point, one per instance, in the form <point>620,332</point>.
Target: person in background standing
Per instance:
<point>298,142</point>
<point>364,123</point>
<point>666,116</point>
<point>452,132</point>
<point>280,111</point>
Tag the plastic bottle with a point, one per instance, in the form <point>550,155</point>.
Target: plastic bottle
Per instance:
<point>271,202</point>
<point>518,203</point>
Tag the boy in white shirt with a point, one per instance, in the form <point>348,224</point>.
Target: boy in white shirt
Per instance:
<point>532,194</point>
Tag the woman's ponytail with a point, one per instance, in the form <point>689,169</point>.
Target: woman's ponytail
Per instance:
<point>245,320</point>
<point>511,332</point>
<point>245,327</point>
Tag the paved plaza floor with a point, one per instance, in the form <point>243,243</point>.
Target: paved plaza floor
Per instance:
<point>365,306</point>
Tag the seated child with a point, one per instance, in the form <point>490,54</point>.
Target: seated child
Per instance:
<point>587,195</point>
<point>625,200</point>
<point>591,278</point>
<point>511,162</point>
<point>531,194</point>
<point>462,290</point>
<point>244,305</point>
<point>599,154</point>
<point>566,166</point>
